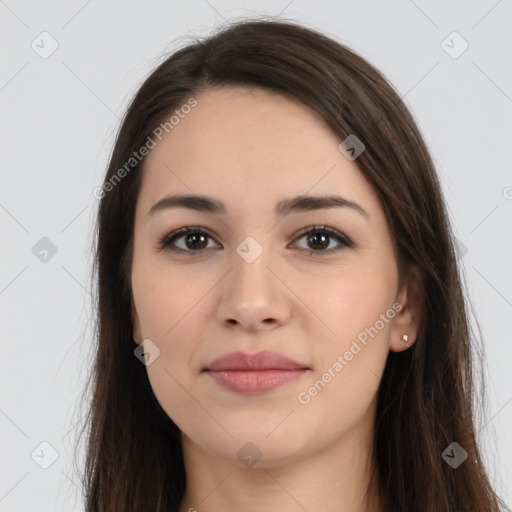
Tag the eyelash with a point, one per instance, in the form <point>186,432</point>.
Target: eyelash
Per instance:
<point>165,241</point>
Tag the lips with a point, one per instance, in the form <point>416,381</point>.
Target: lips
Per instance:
<point>253,374</point>
<point>243,361</point>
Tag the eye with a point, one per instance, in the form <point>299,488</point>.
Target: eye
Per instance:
<point>321,236</point>
<point>195,239</point>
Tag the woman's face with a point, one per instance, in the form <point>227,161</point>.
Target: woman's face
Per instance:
<point>255,279</point>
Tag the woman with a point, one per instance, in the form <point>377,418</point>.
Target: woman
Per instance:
<point>281,322</point>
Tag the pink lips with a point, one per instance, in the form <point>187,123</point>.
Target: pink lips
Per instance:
<point>254,373</point>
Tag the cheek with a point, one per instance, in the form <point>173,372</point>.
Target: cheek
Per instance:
<point>349,366</point>
<point>165,311</point>
<point>170,374</point>
<point>170,308</point>
<point>350,302</point>
<point>358,311</point>
<point>163,297</point>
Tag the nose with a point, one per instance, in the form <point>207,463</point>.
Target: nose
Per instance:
<point>253,295</point>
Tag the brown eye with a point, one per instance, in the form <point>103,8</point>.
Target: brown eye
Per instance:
<point>194,240</point>
<point>319,238</point>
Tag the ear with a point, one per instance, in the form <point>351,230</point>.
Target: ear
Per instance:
<point>137,337</point>
<point>408,318</point>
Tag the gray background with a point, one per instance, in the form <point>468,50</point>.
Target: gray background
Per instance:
<point>59,118</point>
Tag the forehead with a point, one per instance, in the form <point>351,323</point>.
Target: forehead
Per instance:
<point>253,146</point>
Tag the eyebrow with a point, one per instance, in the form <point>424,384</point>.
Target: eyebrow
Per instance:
<point>283,207</point>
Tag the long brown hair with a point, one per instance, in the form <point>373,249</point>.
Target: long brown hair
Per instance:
<point>427,398</point>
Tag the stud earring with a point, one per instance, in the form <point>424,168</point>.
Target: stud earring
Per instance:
<point>405,338</point>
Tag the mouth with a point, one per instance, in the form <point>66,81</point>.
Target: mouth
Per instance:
<point>246,373</point>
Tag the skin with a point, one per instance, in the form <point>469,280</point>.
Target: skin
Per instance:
<point>251,148</point>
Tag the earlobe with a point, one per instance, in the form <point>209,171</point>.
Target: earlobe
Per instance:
<point>405,326</point>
